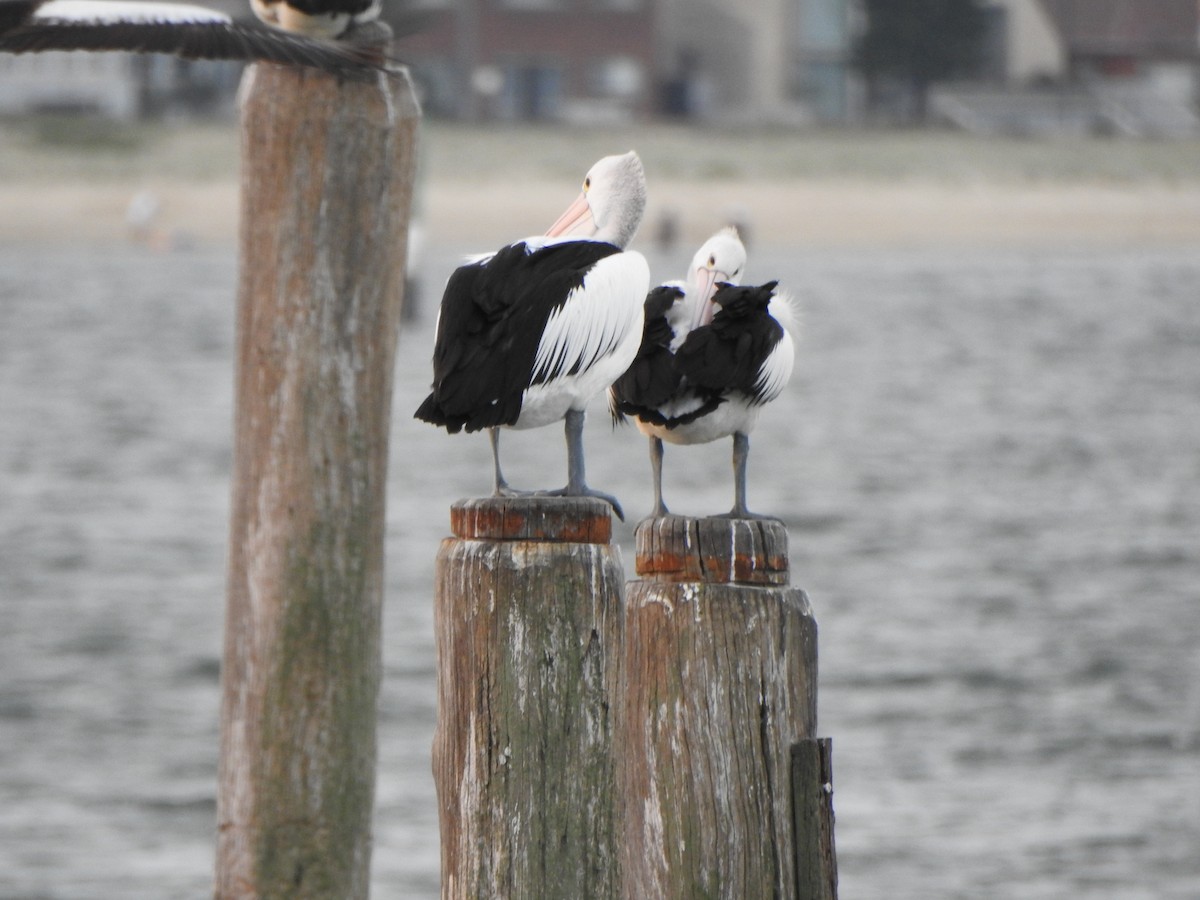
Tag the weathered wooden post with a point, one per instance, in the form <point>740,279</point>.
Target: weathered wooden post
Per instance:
<point>719,678</point>
<point>327,177</point>
<point>527,608</point>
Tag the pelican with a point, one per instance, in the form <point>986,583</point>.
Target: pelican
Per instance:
<point>191,32</point>
<point>528,335</point>
<point>712,355</point>
<point>317,18</point>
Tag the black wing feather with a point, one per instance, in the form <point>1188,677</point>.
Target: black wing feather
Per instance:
<point>492,317</point>
<point>14,13</point>
<point>727,354</point>
<point>651,378</point>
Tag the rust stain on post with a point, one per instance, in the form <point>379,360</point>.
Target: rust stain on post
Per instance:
<point>713,551</point>
<point>327,181</point>
<point>526,623</point>
<point>581,520</point>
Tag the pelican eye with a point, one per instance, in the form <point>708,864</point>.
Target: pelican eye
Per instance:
<point>712,262</point>
<point>587,183</point>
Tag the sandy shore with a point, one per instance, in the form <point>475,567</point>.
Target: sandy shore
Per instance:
<point>804,213</point>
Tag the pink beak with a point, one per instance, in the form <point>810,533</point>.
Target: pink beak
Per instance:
<point>706,286</point>
<point>577,221</point>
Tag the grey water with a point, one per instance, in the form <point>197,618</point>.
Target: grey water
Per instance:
<point>988,461</point>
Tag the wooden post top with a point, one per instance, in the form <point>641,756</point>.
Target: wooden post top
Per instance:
<point>580,520</point>
<point>712,550</point>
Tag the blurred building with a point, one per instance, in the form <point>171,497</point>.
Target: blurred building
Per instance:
<point>1084,66</point>
<point>1115,66</point>
<point>591,61</point>
<point>1123,66</point>
<point>756,61</point>
<point>540,60</point>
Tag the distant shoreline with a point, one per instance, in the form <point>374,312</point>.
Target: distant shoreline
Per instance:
<point>69,179</point>
<point>820,213</point>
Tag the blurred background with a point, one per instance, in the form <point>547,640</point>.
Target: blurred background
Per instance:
<point>988,459</point>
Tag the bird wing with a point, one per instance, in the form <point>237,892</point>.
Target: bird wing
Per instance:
<point>775,371</point>
<point>595,319</point>
<point>493,315</point>
<point>651,378</point>
<point>752,354</point>
<point>191,32</point>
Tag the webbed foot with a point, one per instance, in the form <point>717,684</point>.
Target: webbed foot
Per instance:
<point>586,491</point>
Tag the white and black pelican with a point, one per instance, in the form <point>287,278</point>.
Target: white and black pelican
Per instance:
<point>317,18</point>
<point>528,335</point>
<point>191,32</point>
<point>701,376</point>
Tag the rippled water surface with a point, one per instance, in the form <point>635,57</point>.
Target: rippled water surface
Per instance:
<point>989,464</point>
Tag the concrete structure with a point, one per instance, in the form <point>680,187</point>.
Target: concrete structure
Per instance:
<point>759,61</point>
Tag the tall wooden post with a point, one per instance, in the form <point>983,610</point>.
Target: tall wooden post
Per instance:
<point>327,177</point>
<point>527,609</point>
<point>719,678</point>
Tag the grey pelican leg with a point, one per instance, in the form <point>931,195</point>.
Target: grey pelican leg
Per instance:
<point>741,452</point>
<point>576,481</point>
<point>656,458</point>
<point>500,487</point>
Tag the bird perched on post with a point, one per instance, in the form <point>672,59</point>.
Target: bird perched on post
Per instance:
<point>712,355</point>
<point>317,18</point>
<point>526,336</point>
<point>191,32</point>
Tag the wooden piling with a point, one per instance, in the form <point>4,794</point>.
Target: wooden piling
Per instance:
<point>719,677</point>
<point>812,810</point>
<point>527,609</point>
<point>327,178</point>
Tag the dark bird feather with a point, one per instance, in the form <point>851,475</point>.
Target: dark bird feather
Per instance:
<point>493,314</point>
<point>726,354</point>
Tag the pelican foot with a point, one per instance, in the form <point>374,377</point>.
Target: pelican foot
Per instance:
<point>586,491</point>
<point>660,512</point>
<point>503,490</point>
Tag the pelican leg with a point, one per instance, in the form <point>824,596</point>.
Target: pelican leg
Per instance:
<point>656,458</point>
<point>576,481</point>
<point>500,487</point>
<point>741,452</point>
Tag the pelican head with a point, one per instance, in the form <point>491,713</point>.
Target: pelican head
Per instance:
<point>720,259</point>
<point>611,204</point>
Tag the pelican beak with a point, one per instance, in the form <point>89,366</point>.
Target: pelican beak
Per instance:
<point>706,282</point>
<point>577,221</point>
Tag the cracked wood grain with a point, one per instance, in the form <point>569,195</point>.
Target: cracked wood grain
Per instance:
<point>327,177</point>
